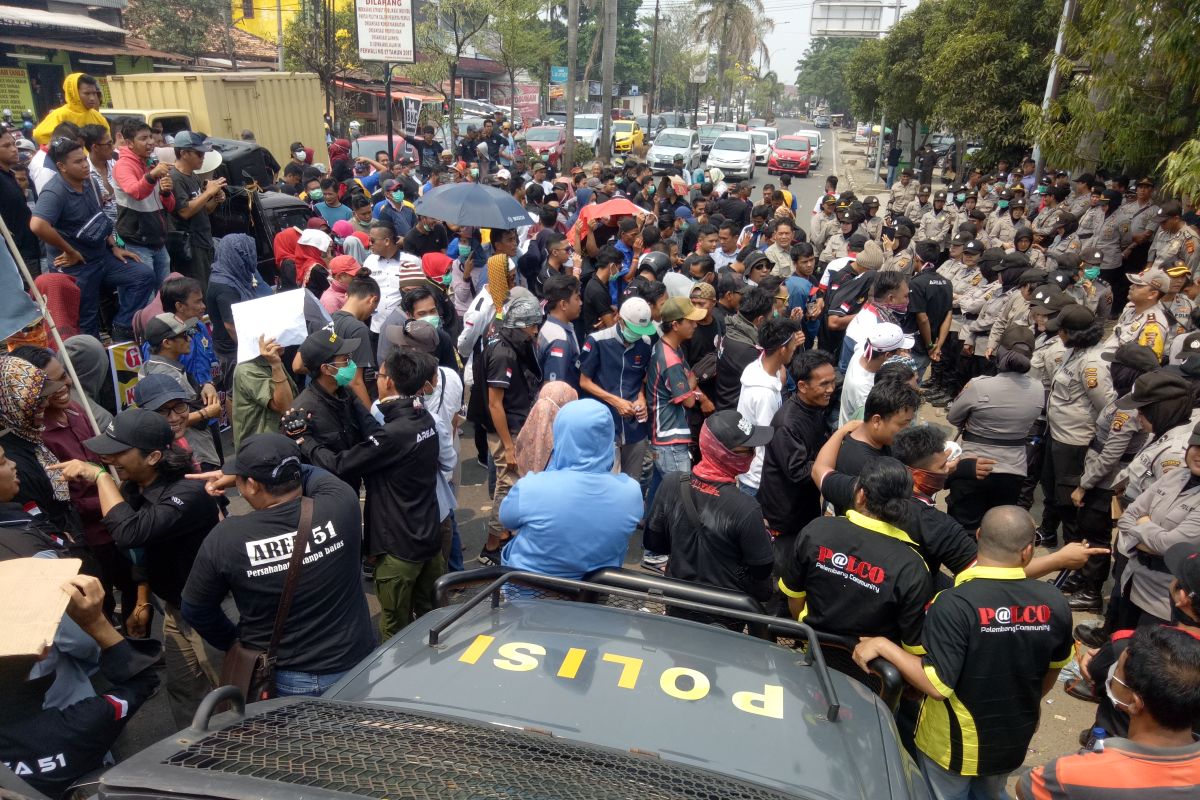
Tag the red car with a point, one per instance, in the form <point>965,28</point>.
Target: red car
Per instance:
<point>547,141</point>
<point>789,156</point>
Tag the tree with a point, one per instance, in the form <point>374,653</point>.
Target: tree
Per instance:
<point>518,40</point>
<point>823,69</point>
<point>188,29</point>
<point>449,27</point>
<point>324,40</point>
<point>733,26</point>
<point>678,57</point>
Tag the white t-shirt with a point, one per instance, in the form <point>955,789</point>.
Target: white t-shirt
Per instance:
<point>863,323</point>
<point>761,397</point>
<point>855,389</point>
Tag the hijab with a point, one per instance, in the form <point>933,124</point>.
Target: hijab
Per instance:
<point>90,360</point>
<point>235,264</point>
<point>353,247</point>
<point>20,394</point>
<point>305,257</point>
<point>533,445</point>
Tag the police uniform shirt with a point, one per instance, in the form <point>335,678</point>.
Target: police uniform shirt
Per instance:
<point>859,577</point>
<point>1096,295</point>
<point>989,642</point>
<point>992,410</point>
<point>1158,457</point>
<point>1046,221</point>
<point>1078,204</point>
<point>1180,307</point>
<point>1089,223</point>
<point>873,228</point>
<point>1140,216</point>
<point>1112,235</point>
<point>980,305</point>
<point>936,227</point>
<point>915,210</point>
<point>1049,353</point>
<point>1079,391</point>
<point>822,228</point>
<point>1147,328</point>
<point>1062,246</point>
<point>1119,437</point>
<point>1183,244</point>
<point>901,196</point>
<point>1173,505</point>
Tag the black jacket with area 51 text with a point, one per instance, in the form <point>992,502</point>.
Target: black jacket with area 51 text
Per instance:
<point>338,421</point>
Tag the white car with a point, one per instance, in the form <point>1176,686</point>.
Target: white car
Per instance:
<point>671,142</point>
<point>814,139</point>
<point>772,133</point>
<point>733,154</point>
<point>762,146</point>
<point>587,130</point>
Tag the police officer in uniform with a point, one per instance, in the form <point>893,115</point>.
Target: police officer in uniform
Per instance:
<point>937,224</point>
<point>1140,216</point>
<point>823,226</point>
<point>1079,391</point>
<point>1023,243</point>
<point>1118,438</point>
<point>903,257</point>
<point>1175,239</point>
<point>1087,287</point>
<point>1178,304</point>
<point>836,244</point>
<point>1144,320</point>
<point>1049,352</point>
<point>1047,220</point>
<point>1066,241</point>
<point>1013,311</point>
<point>873,224</point>
<point>903,193</point>
<point>919,206</point>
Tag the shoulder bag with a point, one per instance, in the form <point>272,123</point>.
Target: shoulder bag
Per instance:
<point>252,670</point>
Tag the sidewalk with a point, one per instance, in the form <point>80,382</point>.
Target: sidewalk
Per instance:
<point>851,161</point>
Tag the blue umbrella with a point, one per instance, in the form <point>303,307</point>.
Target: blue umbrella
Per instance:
<point>475,205</point>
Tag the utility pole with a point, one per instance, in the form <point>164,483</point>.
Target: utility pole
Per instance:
<point>1052,79</point>
<point>883,112</point>
<point>607,66</point>
<point>653,70</point>
<point>572,60</point>
<point>387,92</point>
<point>279,30</point>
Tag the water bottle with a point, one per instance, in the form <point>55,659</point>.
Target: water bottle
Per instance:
<point>1098,737</point>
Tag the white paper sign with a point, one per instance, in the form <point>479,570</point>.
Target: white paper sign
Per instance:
<point>385,30</point>
<point>278,316</point>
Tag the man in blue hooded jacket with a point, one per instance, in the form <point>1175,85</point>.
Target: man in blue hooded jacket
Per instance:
<point>575,516</point>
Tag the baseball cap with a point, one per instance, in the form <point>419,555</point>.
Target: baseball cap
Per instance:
<point>1154,278</point>
<point>871,201</point>
<point>502,174</point>
<point>1151,387</point>
<point>407,162</point>
<point>677,308</point>
<point>906,171</point>
<point>1171,208</point>
<point>924,188</point>
<point>940,196</point>
<point>416,334</point>
<point>1045,295</point>
<point>166,326</point>
<point>846,216</point>
<point>1018,336</point>
<point>133,427</point>
<point>1092,257</point>
<point>344,265</point>
<point>678,157</point>
<point>828,199</point>
<point>635,313</point>
<point>733,430</point>
<point>1132,354</point>
<point>904,230</point>
<point>187,140</point>
<point>1183,559</point>
<point>269,458</point>
<point>973,247</point>
<point>1034,277</point>
<point>156,390</point>
<point>856,242</point>
<point>324,345</point>
<point>887,337</point>
<point>704,291</point>
<point>1073,317</point>
<point>961,238</point>
<point>1189,346</point>
<point>1178,269</point>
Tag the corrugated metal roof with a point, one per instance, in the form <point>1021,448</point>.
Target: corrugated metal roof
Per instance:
<point>133,48</point>
<point>13,15</point>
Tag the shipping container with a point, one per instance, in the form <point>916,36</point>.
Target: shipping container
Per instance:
<point>279,107</point>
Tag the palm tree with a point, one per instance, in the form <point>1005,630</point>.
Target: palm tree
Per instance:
<point>737,28</point>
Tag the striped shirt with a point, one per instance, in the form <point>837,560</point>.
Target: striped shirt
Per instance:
<point>1125,770</point>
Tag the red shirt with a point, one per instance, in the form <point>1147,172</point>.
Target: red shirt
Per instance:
<point>65,440</point>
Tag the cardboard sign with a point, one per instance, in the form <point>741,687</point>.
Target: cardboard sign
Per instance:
<point>32,602</point>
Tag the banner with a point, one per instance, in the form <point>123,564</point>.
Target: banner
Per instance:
<point>17,309</point>
<point>385,30</point>
<point>412,115</point>
<point>124,360</point>
<point>15,94</point>
<point>558,74</point>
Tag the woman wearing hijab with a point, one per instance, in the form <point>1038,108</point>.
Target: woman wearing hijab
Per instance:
<point>234,279</point>
<point>576,516</point>
<point>1023,243</point>
<point>91,363</point>
<point>1112,232</point>
<point>297,252</point>
<point>532,447</point>
<point>25,391</point>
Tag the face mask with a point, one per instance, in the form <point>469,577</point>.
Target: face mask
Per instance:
<point>926,482</point>
<point>613,277</point>
<point>1091,273</point>
<point>474,172</point>
<point>432,319</point>
<point>398,197</point>
<point>299,155</point>
<point>1112,676</point>
<point>1002,204</point>
<point>898,308</point>
<point>650,190</point>
<point>345,374</point>
<point>629,335</point>
<point>960,197</point>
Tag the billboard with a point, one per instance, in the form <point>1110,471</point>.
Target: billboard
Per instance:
<point>850,18</point>
<point>385,30</point>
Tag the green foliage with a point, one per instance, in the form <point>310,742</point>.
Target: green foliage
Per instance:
<point>323,40</point>
<point>677,57</point>
<point>517,39</point>
<point>187,29</point>
<point>580,153</point>
<point>737,29</point>
<point>823,71</point>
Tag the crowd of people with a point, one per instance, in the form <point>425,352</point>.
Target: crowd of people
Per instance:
<point>744,385</point>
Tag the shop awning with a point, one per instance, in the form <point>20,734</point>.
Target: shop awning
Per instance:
<point>34,18</point>
<point>130,48</point>
<point>377,89</point>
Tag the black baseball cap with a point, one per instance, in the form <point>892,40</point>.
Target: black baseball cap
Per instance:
<point>269,458</point>
<point>1092,257</point>
<point>1171,208</point>
<point>1189,346</point>
<point>1151,387</point>
<point>133,427</point>
<point>973,247</point>
<point>324,345</point>
<point>156,390</point>
<point>1132,354</point>
<point>1046,294</point>
<point>1072,318</point>
<point>1033,277</point>
<point>167,326</point>
<point>734,430</point>
<point>1183,562</point>
<point>961,238</point>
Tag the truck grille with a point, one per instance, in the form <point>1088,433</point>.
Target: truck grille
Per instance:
<point>384,753</point>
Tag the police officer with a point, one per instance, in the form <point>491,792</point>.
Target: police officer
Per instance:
<point>902,257</point>
<point>1118,438</point>
<point>1009,216</point>
<point>920,205</point>
<point>1178,304</point>
<point>1139,214</point>
<point>1174,240</point>
<point>836,245</point>
<point>1013,311</point>
<point>1023,243</point>
<point>987,196</point>
<point>1144,320</point>
<point>872,225</point>
<point>1047,220</point>
<point>937,224</point>
<point>1079,391</point>
<point>1066,241</point>
<point>978,303</point>
<point>823,225</point>
<point>1093,214</point>
<point>903,193</point>
<point>1087,287</point>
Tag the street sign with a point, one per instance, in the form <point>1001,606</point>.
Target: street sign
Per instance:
<point>558,74</point>
<point>385,30</point>
<point>412,115</point>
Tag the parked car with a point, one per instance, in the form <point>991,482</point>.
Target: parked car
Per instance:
<point>548,142</point>
<point>540,687</point>
<point>772,133</point>
<point>672,142</point>
<point>627,136</point>
<point>554,118</point>
<point>762,145</point>
<point>587,130</point>
<point>710,132</point>
<point>815,140</point>
<point>733,153</point>
<point>368,146</point>
<point>790,156</point>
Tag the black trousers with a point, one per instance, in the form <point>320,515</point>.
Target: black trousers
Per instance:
<point>944,374</point>
<point>1061,471</point>
<point>1095,523</point>
<point>970,499</point>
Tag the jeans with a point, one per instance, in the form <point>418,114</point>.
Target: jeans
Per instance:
<point>190,675</point>
<point>891,176</point>
<point>667,458</point>
<point>134,283</point>
<point>289,682</point>
<point>746,488</point>
<point>922,360</point>
<point>946,785</point>
<point>455,562</point>
<point>158,259</point>
<point>846,354</point>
